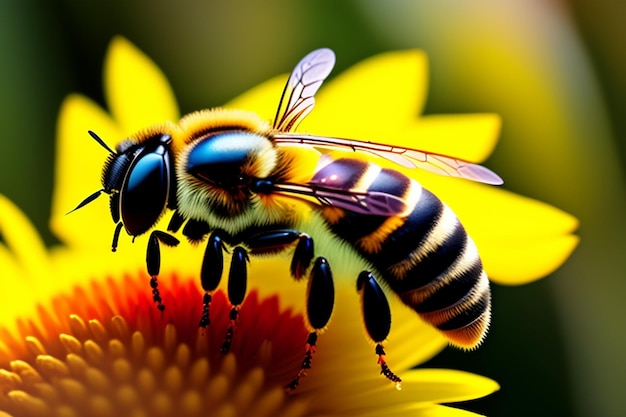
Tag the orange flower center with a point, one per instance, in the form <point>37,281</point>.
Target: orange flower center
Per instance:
<point>107,350</point>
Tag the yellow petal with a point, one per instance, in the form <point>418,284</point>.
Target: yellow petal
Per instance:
<point>519,239</point>
<point>446,385</point>
<point>79,162</point>
<point>372,97</point>
<point>24,263</point>
<point>466,136</point>
<point>414,410</point>
<point>501,214</point>
<point>444,411</point>
<point>262,99</point>
<point>137,92</point>
<point>23,241</point>
<point>421,390</point>
<point>516,263</point>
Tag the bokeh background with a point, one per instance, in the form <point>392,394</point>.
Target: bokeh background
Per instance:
<point>555,71</point>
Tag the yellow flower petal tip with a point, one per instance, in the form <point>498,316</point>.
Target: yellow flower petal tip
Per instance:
<point>21,237</point>
<point>508,263</point>
<point>79,160</point>
<point>520,239</point>
<point>137,92</point>
<point>451,385</point>
<point>261,99</point>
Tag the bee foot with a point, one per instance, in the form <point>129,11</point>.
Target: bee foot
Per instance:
<point>205,318</point>
<point>306,363</point>
<point>384,368</point>
<point>234,314</point>
<point>156,295</point>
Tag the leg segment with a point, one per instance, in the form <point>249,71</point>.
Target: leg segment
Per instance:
<point>320,292</point>
<point>277,240</point>
<point>260,243</point>
<point>176,221</point>
<point>195,231</point>
<point>302,256</point>
<point>377,318</point>
<point>319,307</point>
<point>237,284</point>
<point>266,242</point>
<point>116,236</point>
<point>153,261</point>
<point>272,241</point>
<point>211,273</point>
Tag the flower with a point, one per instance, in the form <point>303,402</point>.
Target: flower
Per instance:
<point>101,347</point>
<point>81,333</point>
<point>115,354</point>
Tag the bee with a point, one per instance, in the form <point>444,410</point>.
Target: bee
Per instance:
<point>229,180</point>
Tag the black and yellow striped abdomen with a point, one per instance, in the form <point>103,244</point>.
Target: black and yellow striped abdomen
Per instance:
<point>425,255</point>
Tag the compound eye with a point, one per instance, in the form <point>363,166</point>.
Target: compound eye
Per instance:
<point>146,187</point>
<point>220,159</point>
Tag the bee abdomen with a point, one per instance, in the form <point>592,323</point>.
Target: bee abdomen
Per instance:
<point>433,265</point>
<point>443,279</point>
<point>426,257</point>
<point>458,303</point>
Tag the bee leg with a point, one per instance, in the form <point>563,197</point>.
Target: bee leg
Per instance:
<point>302,256</point>
<point>237,283</point>
<point>377,318</point>
<point>176,221</point>
<point>116,236</point>
<point>153,261</point>
<point>277,240</point>
<point>195,231</point>
<point>319,307</point>
<point>211,273</point>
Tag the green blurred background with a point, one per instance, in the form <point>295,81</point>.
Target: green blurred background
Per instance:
<point>555,71</point>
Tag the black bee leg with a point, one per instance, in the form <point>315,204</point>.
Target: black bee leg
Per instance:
<point>176,221</point>
<point>377,318</point>
<point>237,283</point>
<point>116,236</point>
<point>213,262</point>
<point>319,307</point>
<point>195,231</point>
<point>277,240</point>
<point>211,273</point>
<point>302,256</point>
<point>153,261</point>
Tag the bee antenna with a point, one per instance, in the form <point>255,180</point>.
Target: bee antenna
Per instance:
<point>100,141</point>
<point>86,201</point>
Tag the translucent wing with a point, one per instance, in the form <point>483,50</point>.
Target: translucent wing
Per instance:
<point>406,157</point>
<point>298,96</point>
<point>373,203</point>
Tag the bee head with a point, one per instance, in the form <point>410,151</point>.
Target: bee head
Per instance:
<point>139,178</point>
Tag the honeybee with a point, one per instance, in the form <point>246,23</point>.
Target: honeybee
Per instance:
<point>228,179</point>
